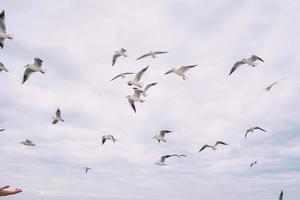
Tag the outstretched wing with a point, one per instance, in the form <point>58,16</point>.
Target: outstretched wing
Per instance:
<point>143,56</point>
<point>103,140</point>
<point>132,105</point>
<point>235,66</point>
<point>258,128</point>
<point>26,75</point>
<point>2,21</point>
<point>254,58</point>
<point>139,75</point>
<point>162,133</point>
<point>204,147</point>
<point>159,52</point>
<point>114,59</point>
<point>220,142</point>
<point>116,77</point>
<point>185,68</point>
<point>149,85</point>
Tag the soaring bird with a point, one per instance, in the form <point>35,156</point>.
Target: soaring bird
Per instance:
<point>117,54</point>
<point>136,97</point>
<point>254,163</point>
<point>86,169</point>
<point>2,67</point>
<point>252,129</point>
<point>137,78</point>
<point>281,195</point>
<point>152,53</point>
<point>147,88</point>
<point>28,143</point>
<point>31,68</point>
<point>163,158</point>
<point>108,137</point>
<point>3,34</point>
<point>250,61</point>
<point>161,136</point>
<point>212,147</point>
<point>57,117</point>
<point>121,75</point>
<point>180,71</point>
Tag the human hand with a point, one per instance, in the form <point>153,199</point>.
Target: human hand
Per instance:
<point>5,192</point>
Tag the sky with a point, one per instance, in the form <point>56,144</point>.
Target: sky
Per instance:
<point>76,41</point>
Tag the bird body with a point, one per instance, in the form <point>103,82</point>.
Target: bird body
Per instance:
<point>180,71</point>
<point>57,117</point>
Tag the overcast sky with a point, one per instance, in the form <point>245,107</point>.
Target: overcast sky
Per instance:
<point>76,40</point>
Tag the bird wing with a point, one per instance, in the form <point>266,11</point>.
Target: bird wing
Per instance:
<point>143,56</point>
<point>149,85</point>
<point>139,75</point>
<point>38,62</point>
<point>2,22</point>
<point>254,58</point>
<point>270,86</point>
<point>54,121</point>
<point>132,105</point>
<point>258,128</point>
<point>27,73</point>
<point>116,77</point>
<point>58,113</point>
<point>159,52</point>
<point>163,158</point>
<point>220,142</point>
<point>185,68</point>
<point>281,195</point>
<point>235,66</point>
<point>205,146</point>
<point>246,134</point>
<point>2,129</point>
<point>103,139</point>
<point>114,59</point>
<point>162,133</point>
<point>127,73</point>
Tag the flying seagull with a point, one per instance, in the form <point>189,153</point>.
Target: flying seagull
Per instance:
<point>147,88</point>
<point>3,68</point>
<point>163,158</point>
<point>31,68</point>
<point>136,97</point>
<point>86,169</point>
<point>152,53</point>
<point>2,129</point>
<point>117,54</point>
<point>57,117</point>
<point>254,163</point>
<point>161,136</point>
<point>108,137</point>
<point>281,195</point>
<point>3,34</point>
<point>28,143</point>
<point>180,71</point>
<point>121,75</point>
<point>212,147</point>
<point>252,129</point>
<point>137,78</point>
<point>250,61</point>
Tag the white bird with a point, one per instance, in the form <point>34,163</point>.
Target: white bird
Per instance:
<point>121,75</point>
<point>3,34</point>
<point>254,163</point>
<point>152,53</point>
<point>250,61</point>
<point>164,157</point>
<point>252,129</point>
<point>212,147</point>
<point>57,117</point>
<point>86,169</point>
<point>2,67</point>
<point>136,97</point>
<point>180,71</point>
<point>31,68</point>
<point>137,78</point>
<point>117,54</point>
<point>281,195</point>
<point>147,88</point>
<point>161,136</point>
<point>108,137</point>
<point>27,143</point>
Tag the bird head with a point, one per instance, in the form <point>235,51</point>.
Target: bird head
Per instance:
<point>129,83</point>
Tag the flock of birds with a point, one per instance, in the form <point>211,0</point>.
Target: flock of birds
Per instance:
<point>139,92</point>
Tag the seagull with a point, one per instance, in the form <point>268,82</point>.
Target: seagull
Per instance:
<point>281,195</point>
<point>147,88</point>
<point>161,136</point>
<point>152,53</point>
<point>270,86</point>
<point>3,34</point>
<point>117,54</point>
<point>253,129</point>
<point>57,117</point>
<point>121,75</point>
<point>212,147</point>
<point>2,67</point>
<point>135,98</point>
<point>250,61</point>
<point>254,163</point>
<point>108,137</point>
<point>163,158</point>
<point>86,169</point>
<point>137,78</point>
<point>2,129</point>
<point>180,71</point>
<point>30,68</point>
<point>28,143</point>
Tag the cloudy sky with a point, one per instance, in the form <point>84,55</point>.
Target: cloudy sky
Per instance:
<point>76,40</point>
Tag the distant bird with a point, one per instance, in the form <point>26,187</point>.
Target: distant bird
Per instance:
<point>152,53</point>
<point>180,71</point>
<point>108,137</point>
<point>252,129</point>
<point>2,67</point>
<point>250,61</point>
<point>3,34</point>
<point>254,163</point>
<point>147,88</point>
<point>137,78</point>
<point>86,169</point>
<point>281,195</point>
<point>270,86</point>
<point>161,136</point>
<point>136,97</point>
<point>2,129</point>
<point>28,143</point>
<point>117,54</point>
<point>163,158</point>
<point>121,75</point>
<point>212,147</point>
<point>57,117</point>
<point>31,68</point>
